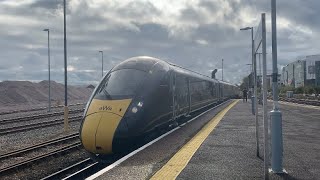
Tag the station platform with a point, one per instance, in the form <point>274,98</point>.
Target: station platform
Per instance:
<point>224,147</point>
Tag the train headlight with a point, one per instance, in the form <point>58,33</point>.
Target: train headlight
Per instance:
<point>140,104</point>
<point>134,109</point>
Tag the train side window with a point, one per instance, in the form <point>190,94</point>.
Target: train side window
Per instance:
<point>165,81</point>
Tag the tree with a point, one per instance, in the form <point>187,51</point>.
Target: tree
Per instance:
<point>245,83</point>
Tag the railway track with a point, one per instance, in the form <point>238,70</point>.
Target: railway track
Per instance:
<point>32,126</point>
<point>79,170</point>
<point>27,162</point>
<point>301,101</point>
<point>38,146</point>
<point>38,116</point>
<point>36,109</point>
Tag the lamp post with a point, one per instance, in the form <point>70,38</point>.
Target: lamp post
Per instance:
<point>66,110</point>
<point>249,74</point>
<point>254,97</point>
<point>250,70</point>
<point>250,28</point>
<point>222,69</point>
<point>49,96</point>
<point>101,62</point>
<point>275,114</point>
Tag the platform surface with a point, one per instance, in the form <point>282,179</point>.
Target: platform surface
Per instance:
<point>229,152</point>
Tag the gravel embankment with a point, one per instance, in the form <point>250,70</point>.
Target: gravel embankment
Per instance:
<point>20,140</point>
<point>44,111</point>
<point>38,120</point>
<point>40,169</point>
<point>15,107</point>
<point>51,165</point>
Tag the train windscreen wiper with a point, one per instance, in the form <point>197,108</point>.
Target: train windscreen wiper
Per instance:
<point>107,94</point>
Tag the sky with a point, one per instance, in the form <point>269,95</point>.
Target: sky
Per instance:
<point>195,34</point>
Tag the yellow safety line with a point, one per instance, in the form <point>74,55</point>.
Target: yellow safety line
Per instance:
<point>179,161</point>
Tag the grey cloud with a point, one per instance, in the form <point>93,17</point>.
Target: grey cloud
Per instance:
<point>45,4</point>
<point>141,28</point>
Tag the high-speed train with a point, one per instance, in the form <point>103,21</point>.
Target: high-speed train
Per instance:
<point>143,94</point>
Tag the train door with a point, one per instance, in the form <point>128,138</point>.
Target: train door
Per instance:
<point>213,90</point>
<point>222,93</point>
<point>182,99</point>
<point>173,94</point>
<point>218,91</point>
<point>189,96</point>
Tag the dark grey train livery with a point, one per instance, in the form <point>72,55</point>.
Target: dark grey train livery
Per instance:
<point>140,95</point>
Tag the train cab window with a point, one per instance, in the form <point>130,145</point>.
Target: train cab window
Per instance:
<point>123,83</point>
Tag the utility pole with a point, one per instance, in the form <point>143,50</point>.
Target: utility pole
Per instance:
<point>254,106</point>
<point>265,115</point>
<point>222,69</point>
<point>275,114</point>
<point>66,110</point>
<point>49,96</point>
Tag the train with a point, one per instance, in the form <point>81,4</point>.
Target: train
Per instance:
<point>144,94</point>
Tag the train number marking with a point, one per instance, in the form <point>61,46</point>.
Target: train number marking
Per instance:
<point>105,108</point>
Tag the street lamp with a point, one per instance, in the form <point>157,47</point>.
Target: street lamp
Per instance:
<point>250,28</point>
<point>254,97</point>
<point>222,69</point>
<point>66,110</point>
<point>253,62</point>
<point>101,62</point>
<point>49,98</point>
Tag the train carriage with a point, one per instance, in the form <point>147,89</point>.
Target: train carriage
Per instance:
<point>140,95</point>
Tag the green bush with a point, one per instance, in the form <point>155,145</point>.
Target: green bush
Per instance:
<point>299,90</point>
<point>309,90</point>
<point>317,90</point>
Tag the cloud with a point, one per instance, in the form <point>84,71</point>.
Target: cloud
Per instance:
<point>195,34</point>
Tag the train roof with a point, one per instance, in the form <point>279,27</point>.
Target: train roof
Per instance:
<point>224,82</point>
<point>190,72</point>
<point>143,63</point>
<point>146,63</point>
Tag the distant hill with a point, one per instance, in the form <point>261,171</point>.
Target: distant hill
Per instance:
<point>29,93</point>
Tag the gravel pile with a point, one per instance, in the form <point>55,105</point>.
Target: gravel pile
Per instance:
<point>27,95</point>
<point>24,95</point>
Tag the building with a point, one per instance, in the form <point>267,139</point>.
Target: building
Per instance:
<point>288,75</point>
<point>317,73</point>
<point>269,81</point>
<point>299,73</point>
<point>312,70</point>
<point>303,72</point>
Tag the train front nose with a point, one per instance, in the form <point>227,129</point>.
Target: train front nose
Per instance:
<point>100,124</point>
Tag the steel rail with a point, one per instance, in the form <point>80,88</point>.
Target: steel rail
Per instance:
<point>83,165</point>
<point>38,158</point>
<point>38,116</point>
<point>39,145</point>
<point>32,126</point>
<point>36,109</point>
